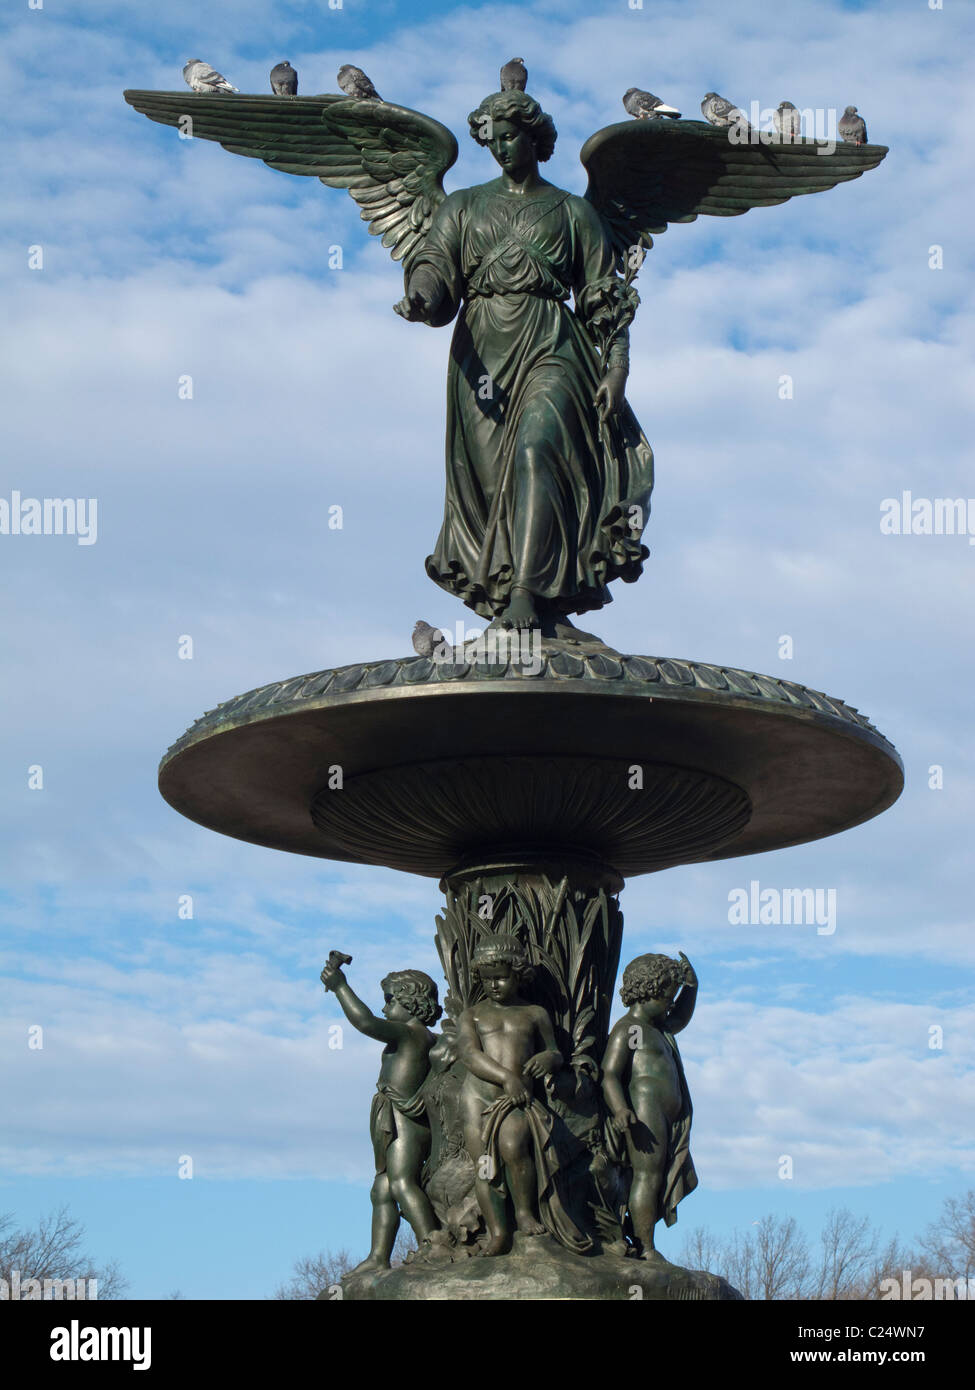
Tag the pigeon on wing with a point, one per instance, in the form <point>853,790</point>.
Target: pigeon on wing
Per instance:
<point>430,641</point>
<point>202,78</point>
<point>284,80</point>
<point>644,106</point>
<point>514,75</point>
<point>851,127</point>
<point>787,121</point>
<point>721,112</point>
<point>355,83</point>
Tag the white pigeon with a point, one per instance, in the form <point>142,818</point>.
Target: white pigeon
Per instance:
<point>202,78</point>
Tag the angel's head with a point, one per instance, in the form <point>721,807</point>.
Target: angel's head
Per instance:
<point>515,129</point>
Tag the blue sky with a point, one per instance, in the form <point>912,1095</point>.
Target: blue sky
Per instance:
<point>165,1037</point>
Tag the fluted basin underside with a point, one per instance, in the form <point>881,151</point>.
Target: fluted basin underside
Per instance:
<point>644,762</point>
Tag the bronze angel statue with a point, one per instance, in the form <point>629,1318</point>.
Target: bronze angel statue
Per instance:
<point>548,472</point>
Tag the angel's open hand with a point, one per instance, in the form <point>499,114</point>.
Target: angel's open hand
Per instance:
<point>413,307</point>
<point>690,975</point>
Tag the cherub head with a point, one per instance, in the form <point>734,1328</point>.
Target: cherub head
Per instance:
<point>501,965</point>
<point>414,992</point>
<point>651,978</point>
<point>515,129</point>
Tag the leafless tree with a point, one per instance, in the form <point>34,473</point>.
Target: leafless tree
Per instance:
<point>315,1273</point>
<point>54,1250</point>
<point>948,1244</point>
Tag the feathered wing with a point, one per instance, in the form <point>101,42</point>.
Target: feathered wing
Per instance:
<point>392,160</point>
<point>646,174</point>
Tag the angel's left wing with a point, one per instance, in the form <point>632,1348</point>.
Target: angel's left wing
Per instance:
<point>646,174</point>
<point>392,160</point>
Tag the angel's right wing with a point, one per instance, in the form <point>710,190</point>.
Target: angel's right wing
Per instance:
<point>392,160</point>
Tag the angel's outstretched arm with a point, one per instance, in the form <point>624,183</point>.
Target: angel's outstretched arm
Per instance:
<point>435,279</point>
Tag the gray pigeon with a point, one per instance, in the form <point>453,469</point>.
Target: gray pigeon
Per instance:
<point>514,75</point>
<point>721,112</point>
<point>284,80</point>
<point>428,641</point>
<point>202,78</point>
<point>787,121</point>
<point>851,127</point>
<point>644,106</point>
<point>355,83</point>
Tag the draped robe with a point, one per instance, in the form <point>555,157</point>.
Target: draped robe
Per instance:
<point>539,493</point>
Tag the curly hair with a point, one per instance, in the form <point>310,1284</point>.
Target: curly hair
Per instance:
<point>524,112</point>
<point>416,992</point>
<point>651,977</point>
<point>502,950</point>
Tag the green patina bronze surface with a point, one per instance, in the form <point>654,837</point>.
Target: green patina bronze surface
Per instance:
<point>530,780</point>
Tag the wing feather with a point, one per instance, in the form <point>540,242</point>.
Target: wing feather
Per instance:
<point>391,160</point>
<point>644,175</point>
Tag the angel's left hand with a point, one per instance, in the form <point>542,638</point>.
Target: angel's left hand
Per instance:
<point>609,397</point>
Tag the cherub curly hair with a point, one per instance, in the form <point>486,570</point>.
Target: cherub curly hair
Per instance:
<point>523,111</point>
<point>502,950</point>
<point>650,977</point>
<point>416,992</point>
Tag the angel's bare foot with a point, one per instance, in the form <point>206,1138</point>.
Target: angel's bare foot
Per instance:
<point>369,1263</point>
<point>527,1225</point>
<point>521,611</point>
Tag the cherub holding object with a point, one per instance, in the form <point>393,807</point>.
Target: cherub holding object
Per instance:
<point>646,1092</point>
<point>397,1121</point>
<point>508,1047</point>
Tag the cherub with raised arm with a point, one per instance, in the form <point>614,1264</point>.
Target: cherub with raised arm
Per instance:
<point>508,1047</point>
<point>646,1092</point>
<point>397,1121</point>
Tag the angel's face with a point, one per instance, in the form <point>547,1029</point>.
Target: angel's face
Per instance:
<point>512,147</point>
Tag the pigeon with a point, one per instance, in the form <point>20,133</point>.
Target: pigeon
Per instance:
<point>284,80</point>
<point>429,641</point>
<point>851,127</point>
<point>721,112</point>
<point>202,78</point>
<point>646,107</point>
<point>355,83</point>
<point>787,121</point>
<point>514,75</point>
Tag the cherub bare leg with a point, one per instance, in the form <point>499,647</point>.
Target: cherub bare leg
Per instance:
<point>404,1158</point>
<point>385,1224</point>
<point>514,1142</point>
<point>490,1201</point>
<point>647,1146</point>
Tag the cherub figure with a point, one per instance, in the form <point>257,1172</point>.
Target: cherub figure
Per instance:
<point>397,1121</point>
<point>646,1092</point>
<point>508,1047</point>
